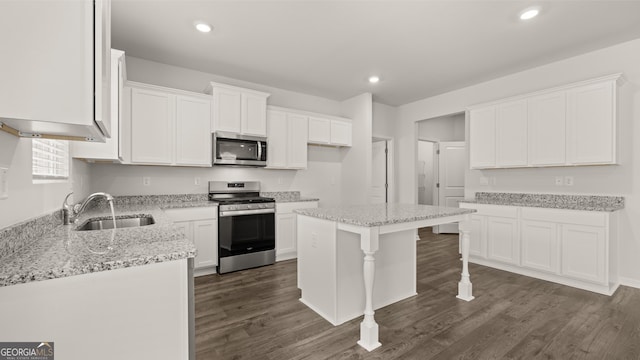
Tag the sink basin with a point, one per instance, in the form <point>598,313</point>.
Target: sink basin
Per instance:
<point>121,222</point>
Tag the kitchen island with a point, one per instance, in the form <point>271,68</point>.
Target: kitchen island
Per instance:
<point>339,284</point>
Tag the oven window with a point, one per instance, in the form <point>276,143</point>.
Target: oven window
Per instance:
<point>235,149</point>
<point>246,233</point>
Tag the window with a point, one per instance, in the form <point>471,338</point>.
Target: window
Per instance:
<point>50,159</point>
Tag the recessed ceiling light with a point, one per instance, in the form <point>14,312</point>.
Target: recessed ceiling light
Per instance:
<point>374,79</point>
<point>202,27</point>
<point>529,13</point>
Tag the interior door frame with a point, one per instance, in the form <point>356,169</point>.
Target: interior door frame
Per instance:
<point>391,193</point>
<point>435,190</point>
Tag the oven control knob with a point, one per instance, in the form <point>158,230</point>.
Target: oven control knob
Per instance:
<point>232,207</point>
<point>262,206</point>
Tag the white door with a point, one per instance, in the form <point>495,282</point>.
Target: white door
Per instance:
<point>298,126</point>
<point>152,126</point>
<point>451,167</point>
<point>379,173</point>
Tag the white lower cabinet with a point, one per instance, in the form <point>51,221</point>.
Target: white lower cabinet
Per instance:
<point>502,236</point>
<point>286,239</point>
<point>584,251</point>
<point>539,244</point>
<point>200,225</point>
<point>570,247</point>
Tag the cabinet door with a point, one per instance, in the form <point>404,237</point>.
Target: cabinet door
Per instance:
<point>319,130</point>
<point>298,134</point>
<point>277,132</point>
<point>285,236</point>
<point>109,150</point>
<point>205,237</point>
<point>502,240</point>
<point>511,134</point>
<point>482,138</point>
<point>591,124</point>
<point>584,252</point>
<point>340,133</point>
<point>539,245</point>
<point>226,110</point>
<point>152,126</point>
<point>254,115</point>
<point>193,121</point>
<point>547,129</point>
<point>477,243</point>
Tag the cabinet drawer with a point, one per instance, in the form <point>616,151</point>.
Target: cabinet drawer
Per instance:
<point>566,216</point>
<point>192,214</point>
<point>285,208</point>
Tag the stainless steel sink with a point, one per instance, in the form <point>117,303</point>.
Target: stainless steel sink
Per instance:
<point>121,222</point>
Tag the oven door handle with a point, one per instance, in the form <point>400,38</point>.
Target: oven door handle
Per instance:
<point>246,212</point>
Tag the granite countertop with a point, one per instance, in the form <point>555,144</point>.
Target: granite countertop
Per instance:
<point>551,201</point>
<point>287,196</point>
<point>382,214</point>
<point>62,251</point>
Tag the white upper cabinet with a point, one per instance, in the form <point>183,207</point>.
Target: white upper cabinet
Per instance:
<point>109,150</point>
<point>238,110</point>
<point>319,130</point>
<point>326,131</point>
<point>55,68</point>
<point>511,134</point>
<point>547,129</point>
<point>166,127</point>
<point>298,132</point>
<point>591,115</point>
<point>287,140</point>
<point>565,126</point>
<point>152,123</point>
<point>341,133</point>
<point>227,105</point>
<point>193,121</point>
<point>482,142</point>
<point>254,114</point>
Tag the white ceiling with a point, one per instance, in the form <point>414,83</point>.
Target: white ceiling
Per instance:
<point>330,48</point>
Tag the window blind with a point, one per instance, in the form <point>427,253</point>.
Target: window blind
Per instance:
<point>50,159</point>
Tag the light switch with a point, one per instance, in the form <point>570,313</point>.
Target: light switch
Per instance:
<point>146,181</point>
<point>4,184</point>
<point>196,181</point>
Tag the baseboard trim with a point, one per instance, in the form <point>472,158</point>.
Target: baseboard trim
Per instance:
<point>634,283</point>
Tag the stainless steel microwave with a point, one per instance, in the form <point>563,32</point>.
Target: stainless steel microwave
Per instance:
<point>239,150</point>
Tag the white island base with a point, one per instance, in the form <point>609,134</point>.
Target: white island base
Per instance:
<point>345,270</point>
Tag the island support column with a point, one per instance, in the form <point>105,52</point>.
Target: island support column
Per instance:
<point>369,243</point>
<point>464,286</point>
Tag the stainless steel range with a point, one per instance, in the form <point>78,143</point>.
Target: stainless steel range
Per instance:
<point>246,225</point>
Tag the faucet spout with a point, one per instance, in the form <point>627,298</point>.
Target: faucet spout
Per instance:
<point>71,214</point>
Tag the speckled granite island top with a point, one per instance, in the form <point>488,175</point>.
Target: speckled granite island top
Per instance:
<point>63,251</point>
<point>551,201</point>
<point>382,214</point>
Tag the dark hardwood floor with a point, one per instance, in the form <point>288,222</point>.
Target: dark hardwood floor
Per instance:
<point>255,314</point>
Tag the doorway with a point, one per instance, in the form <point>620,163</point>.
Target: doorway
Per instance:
<point>440,164</point>
<point>382,171</point>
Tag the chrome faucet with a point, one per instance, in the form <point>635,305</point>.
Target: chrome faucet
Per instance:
<point>70,213</point>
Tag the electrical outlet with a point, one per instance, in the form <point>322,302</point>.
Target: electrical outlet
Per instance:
<point>314,240</point>
<point>568,180</point>
<point>146,181</point>
<point>196,181</point>
<point>4,184</point>
<point>558,180</point>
